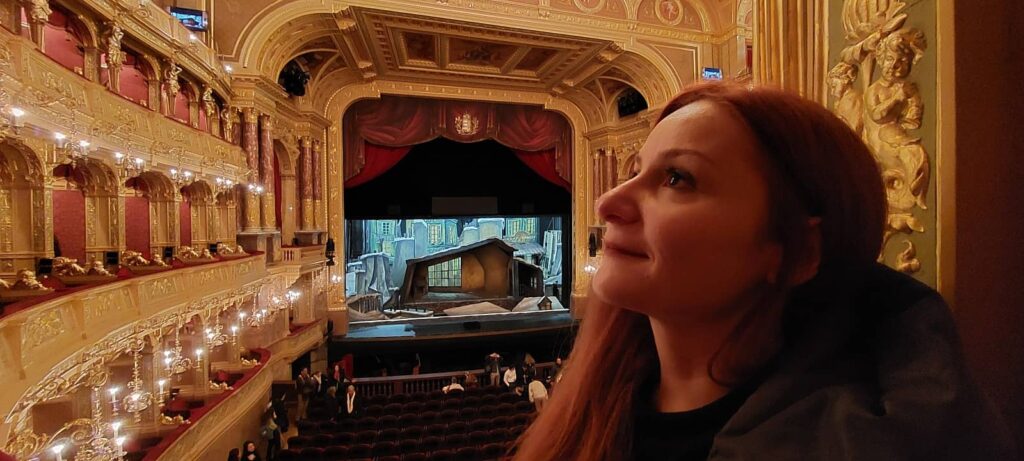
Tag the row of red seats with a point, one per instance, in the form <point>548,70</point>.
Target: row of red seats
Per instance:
<point>425,418</point>
<point>429,438</point>
<point>488,452</point>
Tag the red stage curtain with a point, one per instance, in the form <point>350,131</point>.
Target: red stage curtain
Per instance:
<point>373,125</point>
<point>378,160</point>
<point>543,163</point>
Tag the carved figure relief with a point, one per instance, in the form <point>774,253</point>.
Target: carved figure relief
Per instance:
<point>115,56</point>
<point>589,6</point>
<point>885,108</point>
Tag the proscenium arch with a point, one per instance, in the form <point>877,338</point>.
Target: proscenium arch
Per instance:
<point>582,214</point>
<point>273,18</point>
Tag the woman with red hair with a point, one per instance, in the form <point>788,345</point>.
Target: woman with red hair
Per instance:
<point>739,311</point>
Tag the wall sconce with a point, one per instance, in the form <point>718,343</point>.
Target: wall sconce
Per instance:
<point>255,188</point>
<point>128,166</point>
<point>224,185</point>
<point>182,178</point>
<point>11,121</point>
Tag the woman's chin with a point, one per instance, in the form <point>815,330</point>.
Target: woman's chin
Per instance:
<point>615,290</point>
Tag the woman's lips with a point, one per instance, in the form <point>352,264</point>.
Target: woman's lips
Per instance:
<point>613,248</point>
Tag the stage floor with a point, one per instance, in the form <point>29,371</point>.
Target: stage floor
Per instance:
<point>463,325</point>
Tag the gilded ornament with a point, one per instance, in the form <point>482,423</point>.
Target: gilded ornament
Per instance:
<point>27,281</point>
<point>466,124</point>
<point>884,110</point>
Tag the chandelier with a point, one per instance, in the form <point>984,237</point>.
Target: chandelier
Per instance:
<point>128,166</point>
<point>138,398</point>
<point>215,337</point>
<point>182,178</point>
<point>76,152</point>
<point>255,188</point>
<point>224,185</point>
<point>175,362</point>
<point>11,120</point>
<point>91,438</point>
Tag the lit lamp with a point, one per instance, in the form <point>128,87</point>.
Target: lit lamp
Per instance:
<point>224,185</point>
<point>256,189</point>
<point>113,400</point>
<point>116,426</point>
<point>181,178</point>
<point>12,121</point>
<point>57,451</point>
<point>128,166</point>
<point>120,447</point>
<point>161,383</point>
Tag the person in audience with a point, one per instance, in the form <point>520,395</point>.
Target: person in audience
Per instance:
<point>271,432</point>
<point>351,408</point>
<point>471,380</point>
<point>510,377</point>
<point>280,408</point>
<point>743,313</point>
<point>305,386</point>
<point>492,366</point>
<point>234,455</point>
<point>555,370</point>
<point>538,393</point>
<point>331,403</point>
<point>177,406</point>
<point>319,387</point>
<point>454,386</point>
<point>249,451</point>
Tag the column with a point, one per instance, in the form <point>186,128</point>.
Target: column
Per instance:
<point>306,179</point>
<point>115,56</point>
<point>250,143</point>
<point>38,15</point>
<point>321,222</point>
<point>269,221</point>
<point>610,175</point>
<point>790,46</point>
<point>597,182</point>
<point>91,63</point>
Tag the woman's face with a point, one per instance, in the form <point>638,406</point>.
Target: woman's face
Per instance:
<point>250,447</point>
<point>686,236</point>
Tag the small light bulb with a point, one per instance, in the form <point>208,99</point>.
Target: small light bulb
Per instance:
<point>17,111</point>
<point>228,68</point>
<point>118,155</point>
<point>192,37</point>
<point>139,161</point>
<point>59,137</point>
<point>83,143</point>
<point>57,449</point>
<point>116,425</point>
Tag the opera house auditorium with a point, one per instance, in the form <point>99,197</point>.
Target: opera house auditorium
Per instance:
<point>386,229</point>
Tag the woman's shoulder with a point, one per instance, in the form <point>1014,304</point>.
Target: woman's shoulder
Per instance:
<point>879,375</point>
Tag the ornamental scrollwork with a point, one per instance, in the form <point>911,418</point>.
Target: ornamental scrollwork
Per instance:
<point>886,109</point>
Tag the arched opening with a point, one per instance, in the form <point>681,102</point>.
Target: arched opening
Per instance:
<point>133,79</point>
<point>181,103</point>
<point>65,39</point>
<point>630,102</point>
<point>224,217</point>
<point>153,215</point>
<point>22,206</point>
<point>194,215</point>
<point>89,224</point>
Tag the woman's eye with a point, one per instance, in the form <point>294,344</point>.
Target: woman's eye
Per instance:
<point>674,177</point>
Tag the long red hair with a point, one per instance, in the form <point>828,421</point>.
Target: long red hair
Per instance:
<point>816,166</point>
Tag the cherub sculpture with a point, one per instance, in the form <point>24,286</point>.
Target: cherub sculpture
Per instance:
<point>27,281</point>
<point>96,268</point>
<point>64,267</point>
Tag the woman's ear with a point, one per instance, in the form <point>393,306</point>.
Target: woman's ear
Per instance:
<point>807,267</point>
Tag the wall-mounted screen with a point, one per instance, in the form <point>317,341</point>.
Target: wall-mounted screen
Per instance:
<point>711,73</point>
<point>191,19</point>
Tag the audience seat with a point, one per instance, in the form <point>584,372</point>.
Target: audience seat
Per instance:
<point>488,400</point>
<point>311,454</point>
<point>409,445</point>
<point>468,413</point>
<point>418,397</point>
<point>449,415</point>
<point>521,419</point>
<point>320,440</point>
<point>383,449</point>
<point>377,400</point>
<point>436,430</point>
<point>374,410</point>
<point>408,420</point>
<point>389,434</point>
<point>457,427</point>
<point>388,422</point>
<point>412,432</point>
<point>480,424</point>
<point>299,442</point>
<point>415,456</point>
<point>441,455</point>
<point>288,454</point>
<point>455,440</point>
<point>393,409</point>
<point>412,408</point>
<point>467,454</point>
<point>432,405</point>
<point>505,409</point>
<point>524,407</point>
<point>430,443</point>
<point>343,438</point>
<point>399,398</point>
<point>366,437</point>
<point>477,438</point>
<point>492,451</point>
<point>366,423</point>
<point>359,450</point>
<point>335,453</point>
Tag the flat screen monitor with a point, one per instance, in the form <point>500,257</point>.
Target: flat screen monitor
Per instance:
<point>191,19</point>
<point>711,73</point>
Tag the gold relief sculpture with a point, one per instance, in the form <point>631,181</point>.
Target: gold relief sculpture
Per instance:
<point>26,443</point>
<point>884,110</point>
<point>67,266</point>
<point>6,222</point>
<point>115,56</point>
<point>27,281</point>
<point>42,328</point>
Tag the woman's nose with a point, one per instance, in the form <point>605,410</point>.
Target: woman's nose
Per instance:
<point>618,205</point>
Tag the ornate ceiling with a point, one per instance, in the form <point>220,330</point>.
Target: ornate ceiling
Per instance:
<point>507,44</point>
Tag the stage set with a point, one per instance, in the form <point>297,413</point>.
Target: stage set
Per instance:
<point>455,209</point>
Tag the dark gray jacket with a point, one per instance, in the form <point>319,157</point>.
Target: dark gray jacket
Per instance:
<point>879,376</point>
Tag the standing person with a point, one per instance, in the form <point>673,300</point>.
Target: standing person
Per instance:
<point>454,386</point>
<point>351,408</point>
<point>249,451</point>
<point>538,393</point>
<point>280,408</point>
<point>471,380</point>
<point>510,377</point>
<point>555,370</point>
<point>331,403</point>
<point>743,313</point>
<point>492,366</point>
<point>305,387</point>
<point>319,386</point>
<point>234,455</point>
<point>271,432</point>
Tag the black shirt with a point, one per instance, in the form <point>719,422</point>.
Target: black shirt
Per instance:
<point>686,435</point>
